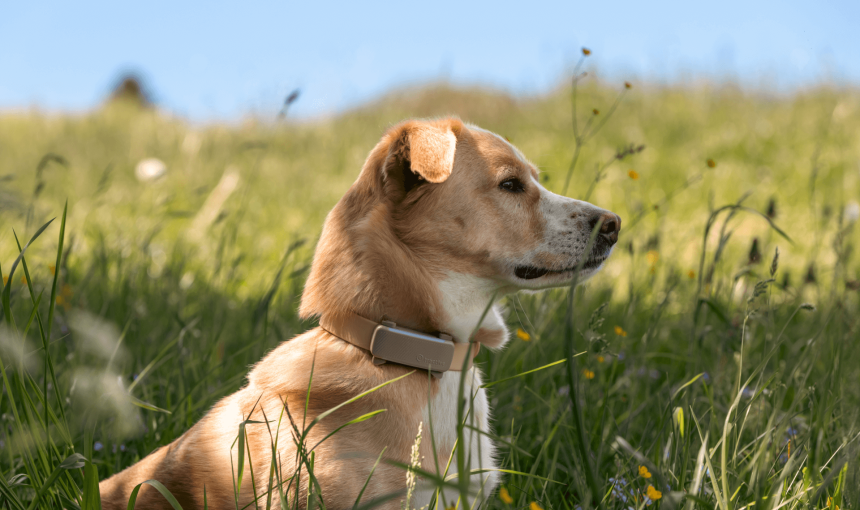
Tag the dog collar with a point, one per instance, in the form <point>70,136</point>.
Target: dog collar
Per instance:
<point>388,342</point>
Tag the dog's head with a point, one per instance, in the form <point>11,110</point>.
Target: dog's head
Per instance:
<point>447,213</point>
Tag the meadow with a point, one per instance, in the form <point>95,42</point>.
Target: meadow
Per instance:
<point>710,373</point>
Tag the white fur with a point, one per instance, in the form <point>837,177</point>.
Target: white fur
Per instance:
<point>464,299</point>
<point>479,448</point>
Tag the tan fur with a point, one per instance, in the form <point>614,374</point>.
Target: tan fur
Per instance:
<point>424,237</point>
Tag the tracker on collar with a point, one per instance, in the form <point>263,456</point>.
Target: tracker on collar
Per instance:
<point>388,342</point>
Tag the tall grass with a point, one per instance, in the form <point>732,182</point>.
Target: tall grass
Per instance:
<point>699,364</point>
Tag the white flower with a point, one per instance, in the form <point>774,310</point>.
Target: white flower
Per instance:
<point>852,212</point>
<point>149,169</point>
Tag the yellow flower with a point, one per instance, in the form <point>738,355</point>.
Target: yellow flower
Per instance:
<point>653,493</point>
<point>504,496</point>
<point>711,163</point>
<point>620,331</point>
<point>652,257</point>
<point>627,85</point>
<point>633,174</point>
<point>587,373</point>
<point>643,472</point>
<point>601,359</point>
<point>596,111</point>
<point>52,269</point>
<point>586,52</point>
<point>523,335</point>
<point>534,505</point>
<point>5,279</point>
<point>691,274</point>
<point>23,280</point>
<point>831,504</point>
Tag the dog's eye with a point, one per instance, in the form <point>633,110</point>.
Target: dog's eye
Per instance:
<point>512,185</point>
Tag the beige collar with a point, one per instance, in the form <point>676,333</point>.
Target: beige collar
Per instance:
<point>388,342</point>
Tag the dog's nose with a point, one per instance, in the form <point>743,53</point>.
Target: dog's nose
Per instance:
<point>610,226</point>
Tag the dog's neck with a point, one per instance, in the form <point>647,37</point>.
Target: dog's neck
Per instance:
<point>362,267</point>
<point>465,299</point>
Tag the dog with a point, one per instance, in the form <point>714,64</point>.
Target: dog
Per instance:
<point>443,217</point>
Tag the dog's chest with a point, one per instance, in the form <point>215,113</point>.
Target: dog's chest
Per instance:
<point>442,408</point>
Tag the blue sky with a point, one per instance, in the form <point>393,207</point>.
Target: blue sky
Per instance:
<point>223,60</point>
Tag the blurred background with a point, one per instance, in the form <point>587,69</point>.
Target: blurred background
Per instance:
<point>222,60</point>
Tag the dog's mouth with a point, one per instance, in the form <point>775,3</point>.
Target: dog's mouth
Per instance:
<point>531,272</point>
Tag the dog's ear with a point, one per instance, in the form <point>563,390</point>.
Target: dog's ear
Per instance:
<point>416,152</point>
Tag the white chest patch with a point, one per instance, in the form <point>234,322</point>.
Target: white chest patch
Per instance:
<point>440,418</point>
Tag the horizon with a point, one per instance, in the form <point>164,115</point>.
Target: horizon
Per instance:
<point>192,71</point>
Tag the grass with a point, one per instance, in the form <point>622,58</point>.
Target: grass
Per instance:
<point>727,377</point>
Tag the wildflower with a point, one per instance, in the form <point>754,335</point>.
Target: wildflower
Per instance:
<point>852,212</point>
<point>627,85</point>
<point>564,390</point>
<point>653,493</point>
<point>831,503</point>
<point>595,111</point>
<point>587,373</point>
<point>523,335</point>
<point>23,280</point>
<point>505,496</point>
<point>711,163</point>
<point>586,52</point>
<point>98,446</point>
<point>53,269</point>
<point>633,175</point>
<point>617,488</point>
<point>5,279</point>
<point>601,359</point>
<point>620,331</point>
<point>149,169</point>
<point>535,506</point>
<point>653,256</point>
<point>643,472</point>
<point>691,275</point>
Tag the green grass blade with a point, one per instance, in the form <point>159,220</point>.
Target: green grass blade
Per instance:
<point>322,415</point>
<point>554,363</point>
<point>7,289</point>
<point>363,417</point>
<point>91,498</point>
<point>158,486</point>
<point>74,461</point>
<point>367,481</point>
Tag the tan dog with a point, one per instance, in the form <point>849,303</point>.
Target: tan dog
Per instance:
<point>442,217</point>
